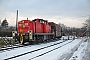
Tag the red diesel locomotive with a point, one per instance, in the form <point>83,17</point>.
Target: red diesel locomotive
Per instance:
<point>37,30</point>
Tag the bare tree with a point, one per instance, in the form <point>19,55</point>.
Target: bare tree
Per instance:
<point>87,23</point>
<point>86,26</point>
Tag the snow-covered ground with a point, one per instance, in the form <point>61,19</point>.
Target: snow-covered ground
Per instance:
<point>74,50</point>
<point>80,52</point>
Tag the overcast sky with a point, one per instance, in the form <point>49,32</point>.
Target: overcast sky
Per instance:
<point>69,12</point>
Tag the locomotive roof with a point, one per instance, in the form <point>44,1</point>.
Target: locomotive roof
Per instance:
<point>39,19</point>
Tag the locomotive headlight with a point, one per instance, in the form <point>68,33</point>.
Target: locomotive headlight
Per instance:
<point>30,33</point>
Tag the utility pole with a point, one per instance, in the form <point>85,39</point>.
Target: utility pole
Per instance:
<point>0,22</point>
<point>16,20</point>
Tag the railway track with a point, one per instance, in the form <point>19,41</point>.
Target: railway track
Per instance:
<point>8,48</point>
<point>39,49</point>
<point>48,51</point>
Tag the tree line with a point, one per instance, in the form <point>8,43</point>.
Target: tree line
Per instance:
<point>5,29</point>
<point>83,31</point>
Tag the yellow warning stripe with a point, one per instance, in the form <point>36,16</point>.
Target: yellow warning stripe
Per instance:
<point>21,38</point>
